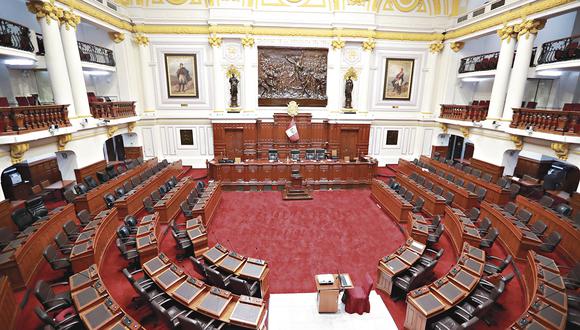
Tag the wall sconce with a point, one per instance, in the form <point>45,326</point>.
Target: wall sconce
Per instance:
<point>477,124</point>
<point>84,122</point>
<point>530,130</point>
<point>52,129</point>
<point>495,124</point>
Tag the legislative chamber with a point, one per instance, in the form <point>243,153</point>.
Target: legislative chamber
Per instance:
<point>289,164</point>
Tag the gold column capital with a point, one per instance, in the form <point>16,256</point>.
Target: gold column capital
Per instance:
<point>561,150</point>
<point>507,32</point>
<point>369,45</point>
<point>111,130</point>
<point>457,46</point>
<point>464,131</point>
<point>62,141</point>
<point>338,43</point>
<point>131,126</point>
<point>17,151</point>
<point>117,37</point>
<point>214,40</point>
<point>528,26</point>
<point>141,39</point>
<point>444,127</point>
<point>518,141</point>
<point>45,10</point>
<point>436,47</point>
<point>247,41</point>
<point>70,19</point>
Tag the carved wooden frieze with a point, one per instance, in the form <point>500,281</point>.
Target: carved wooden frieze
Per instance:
<point>292,74</point>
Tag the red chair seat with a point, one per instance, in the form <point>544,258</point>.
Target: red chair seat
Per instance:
<point>357,298</point>
<point>64,314</point>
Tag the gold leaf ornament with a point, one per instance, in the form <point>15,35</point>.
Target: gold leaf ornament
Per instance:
<point>214,40</point>
<point>70,19</point>
<point>351,73</point>
<point>527,27</point>
<point>369,45</point>
<point>247,41</point>
<point>141,39</point>
<point>436,48</point>
<point>233,72</point>
<point>506,32</point>
<point>338,43</point>
<point>45,10</point>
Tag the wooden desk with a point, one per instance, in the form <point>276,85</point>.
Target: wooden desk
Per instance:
<point>556,222</point>
<point>427,302</point>
<point>463,199</point>
<point>88,251</point>
<point>546,295</point>
<point>207,204</point>
<point>513,235</point>
<point>132,201</point>
<point>169,205</point>
<point>260,173</point>
<point>147,235</point>
<point>328,294</point>
<point>197,296</point>
<point>460,229</point>
<point>197,234</point>
<point>417,228</point>
<point>495,194</point>
<point>20,261</point>
<point>8,306</point>
<point>93,200</point>
<point>395,205</point>
<point>434,204</point>
<point>396,263</point>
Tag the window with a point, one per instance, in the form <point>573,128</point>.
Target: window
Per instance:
<point>186,137</point>
<point>392,137</point>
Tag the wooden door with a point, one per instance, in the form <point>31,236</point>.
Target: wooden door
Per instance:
<point>348,142</point>
<point>234,141</point>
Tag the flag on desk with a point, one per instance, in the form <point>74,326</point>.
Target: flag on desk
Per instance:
<point>292,131</point>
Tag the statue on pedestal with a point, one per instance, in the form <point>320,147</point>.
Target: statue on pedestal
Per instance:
<point>233,74</point>
<point>349,75</point>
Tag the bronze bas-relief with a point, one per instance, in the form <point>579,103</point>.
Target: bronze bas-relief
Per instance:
<point>286,74</point>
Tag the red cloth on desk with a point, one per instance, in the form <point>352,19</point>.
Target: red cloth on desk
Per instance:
<point>357,299</point>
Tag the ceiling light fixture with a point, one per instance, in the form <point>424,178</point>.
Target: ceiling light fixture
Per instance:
<point>19,62</point>
<point>550,73</point>
<point>97,73</point>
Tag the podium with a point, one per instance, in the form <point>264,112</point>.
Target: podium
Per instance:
<point>295,189</point>
<point>328,294</point>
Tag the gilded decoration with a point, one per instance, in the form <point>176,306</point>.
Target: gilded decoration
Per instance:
<point>131,126</point>
<point>561,150</point>
<point>518,141</point>
<point>357,2</point>
<point>350,74</point>
<point>248,41</point>
<point>338,44</point>
<point>369,45</point>
<point>456,46</point>
<point>232,72</point>
<point>292,108</point>
<point>117,37</point>
<point>45,10</point>
<point>436,48</point>
<point>464,131</point>
<point>528,26</point>
<point>214,40</point>
<point>17,152</point>
<point>70,20</point>
<point>62,140</point>
<point>141,39</point>
<point>506,33</point>
<point>444,127</point>
<point>111,130</point>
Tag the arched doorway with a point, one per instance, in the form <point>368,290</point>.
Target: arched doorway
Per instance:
<point>121,147</point>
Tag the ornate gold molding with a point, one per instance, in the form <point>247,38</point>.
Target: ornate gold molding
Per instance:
<point>141,39</point>
<point>561,150</point>
<point>456,46</point>
<point>17,152</point>
<point>436,47</point>
<point>518,141</point>
<point>214,40</point>
<point>357,2</point>
<point>506,33</point>
<point>62,140</point>
<point>117,37</point>
<point>45,10</point>
<point>111,130</point>
<point>528,26</point>
<point>70,19</point>
<point>248,41</point>
<point>444,127</point>
<point>369,44</point>
<point>338,43</point>
<point>351,73</point>
<point>232,71</point>
<point>464,131</point>
<point>131,126</point>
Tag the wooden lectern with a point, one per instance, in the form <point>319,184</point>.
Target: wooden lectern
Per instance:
<point>328,294</point>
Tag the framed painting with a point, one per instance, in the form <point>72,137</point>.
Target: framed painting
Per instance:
<point>186,137</point>
<point>181,75</point>
<point>398,79</point>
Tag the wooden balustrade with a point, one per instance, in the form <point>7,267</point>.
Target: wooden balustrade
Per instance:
<point>549,121</point>
<point>464,112</point>
<point>113,110</point>
<point>26,119</point>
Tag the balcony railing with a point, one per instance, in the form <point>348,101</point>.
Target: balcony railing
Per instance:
<point>549,121</point>
<point>481,62</point>
<point>112,110</point>
<point>474,112</point>
<point>40,43</point>
<point>96,54</point>
<point>564,49</point>
<point>20,120</point>
<point>15,36</point>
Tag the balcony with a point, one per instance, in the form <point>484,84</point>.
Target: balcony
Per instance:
<point>554,121</point>
<point>474,112</point>
<point>565,49</point>
<point>96,54</point>
<point>26,119</point>
<point>485,62</point>
<point>15,36</point>
<point>108,109</point>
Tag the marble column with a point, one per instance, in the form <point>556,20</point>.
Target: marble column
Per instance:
<point>431,66</point>
<point>334,88</point>
<point>250,77</point>
<point>363,82</point>
<point>48,17</point>
<point>502,73</point>
<point>527,32</point>
<point>69,22</point>
<point>218,74</point>
<point>146,74</point>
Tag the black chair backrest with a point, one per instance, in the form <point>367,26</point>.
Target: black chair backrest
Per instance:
<point>524,215</point>
<point>22,218</point>
<point>70,228</point>
<point>510,208</point>
<point>155,196</point>
<point>470,187</point>
<point>148,204</point>
<point>111,172</point>
<point>69,196</point>
<point>123,232</point>
<point>215,278</point>
<point>102,176</point>
<point>130,221</point>
<point>514,189</point>
<point>480,192</point>
<point>109,200</point>
<point>553,239</point>
<point>564,209</point>
<point>485,224</point>
<point>120,191</point>
<point>487,177</point>
<point>476,172</point>
<point>437,190</point>
<point>449,196</point>
<point>239,286</point>
<point>474,214</point>
<point>90,182</point>
<point>35,203</point>
<point>198,266</point>
<point>81,188</point>
<point>491,234</point>
<point>127,186</point>
<point>61,240</point>
<point>539,227</point>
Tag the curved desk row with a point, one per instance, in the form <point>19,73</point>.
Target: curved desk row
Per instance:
<point>208,202</point>
<point>417,228</point>
<point>514,235</point>
<point>92,242</point>
<point>395,205</point>
<point>555,222</point>
<point>431,300</point>
<point>460,229</point>
<point>398,262</point>
<point>222,305</point>
<point>434,204</point>
<point>197,234</point>
<point>495,194</point>
<point>93,200</point>
<point>146,237</point>
<point>168,206</point>
<point>233,263</point>
<point>21,258</point>
<point>463,199</point>
<point>546,296</point>
<point>132,201</point>
<point>96,307</point>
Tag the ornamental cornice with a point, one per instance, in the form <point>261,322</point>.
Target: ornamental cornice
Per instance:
<point>528,26</point>
<point>46,10</point>
<point>70,20</point>
<point>436,47</point>
<point>369,44</point>
<point>337,43</point>
<point>117,37</point>
<point>214,40</point>
<point>141,39</point>
<point>506,33</point>
<point>17,152</point>
<point>456,46</point>
<point>248,41</point>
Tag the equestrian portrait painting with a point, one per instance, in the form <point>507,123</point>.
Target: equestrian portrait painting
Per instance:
<point>181,72</point>
<point>398,79</point>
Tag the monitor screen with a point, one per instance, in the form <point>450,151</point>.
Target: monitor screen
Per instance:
<point>295,155</point>
<point>15,178</point>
